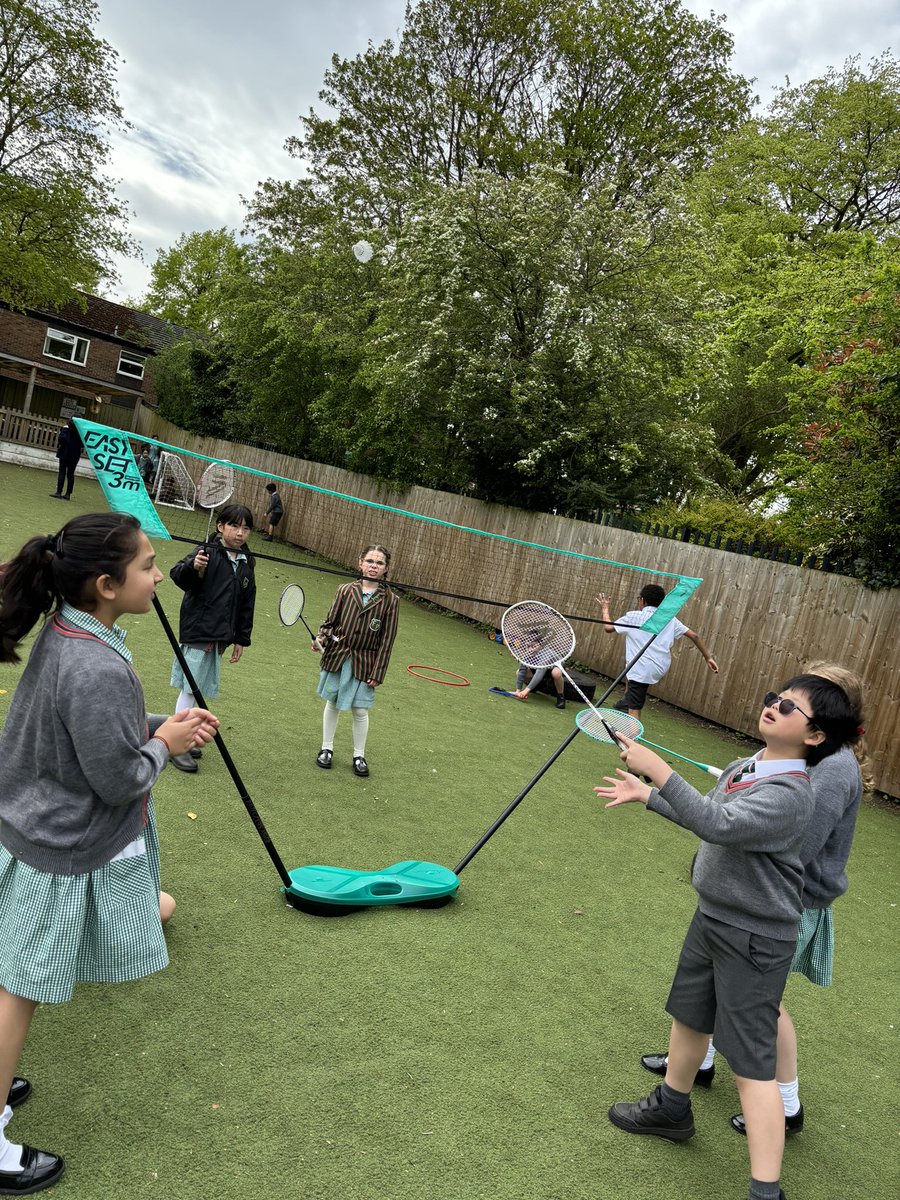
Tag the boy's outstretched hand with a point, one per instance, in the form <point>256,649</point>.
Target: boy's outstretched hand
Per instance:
<point>626,789</point>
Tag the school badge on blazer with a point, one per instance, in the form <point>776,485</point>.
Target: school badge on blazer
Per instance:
<point>375,624</point>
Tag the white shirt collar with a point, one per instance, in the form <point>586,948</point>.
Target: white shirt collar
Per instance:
<point>775,766</point>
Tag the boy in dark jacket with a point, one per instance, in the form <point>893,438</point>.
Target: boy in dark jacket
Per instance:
<point>68,451</point>
<point>217,610</point>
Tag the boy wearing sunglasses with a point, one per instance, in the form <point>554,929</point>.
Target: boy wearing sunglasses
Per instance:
<point>748,877</point>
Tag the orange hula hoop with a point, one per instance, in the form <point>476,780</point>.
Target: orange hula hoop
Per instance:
<point>415,668</point>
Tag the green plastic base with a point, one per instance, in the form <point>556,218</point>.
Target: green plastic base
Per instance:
<point>410,882</point>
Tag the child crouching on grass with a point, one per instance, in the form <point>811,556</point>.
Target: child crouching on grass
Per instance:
<point>748,876</point>
<point>79,860</point>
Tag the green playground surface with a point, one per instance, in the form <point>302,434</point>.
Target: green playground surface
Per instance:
<point>457,1053</point>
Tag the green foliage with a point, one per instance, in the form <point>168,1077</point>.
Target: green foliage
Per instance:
<point>603,90</point>
<point>189,282</point>
<point>60,222</point>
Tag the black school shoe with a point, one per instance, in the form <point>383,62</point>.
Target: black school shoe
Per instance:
<point>323,759</point>
<point>19,1091</point>
<point>657,1063</point>
<point>792,1124</point>
<point>360,766</point>
<point>40,1169</point>
<point>648,1116</point>
<point>560,702</point>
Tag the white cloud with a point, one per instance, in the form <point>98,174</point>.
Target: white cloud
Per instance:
<point>214,87</point>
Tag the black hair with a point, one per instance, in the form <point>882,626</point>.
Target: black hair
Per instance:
<point>653,595</point>
<point>270,487</point>
<point>50,570</point>
<point>235,514</point>
<point>833,713</point>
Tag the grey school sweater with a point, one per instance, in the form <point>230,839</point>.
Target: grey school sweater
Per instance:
<point>76,759</point>
<point>837,791</point>
<point>748,871</point>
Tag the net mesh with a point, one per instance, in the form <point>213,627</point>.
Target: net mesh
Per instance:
<point>537,635</point>
<point>449,550</point>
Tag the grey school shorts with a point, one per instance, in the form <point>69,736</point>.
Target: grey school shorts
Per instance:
<point>729,983</point>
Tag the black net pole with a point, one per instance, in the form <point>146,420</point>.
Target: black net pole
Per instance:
<point>223,750</point>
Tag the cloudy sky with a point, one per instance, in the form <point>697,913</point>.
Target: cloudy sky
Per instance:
<point>214,87</point>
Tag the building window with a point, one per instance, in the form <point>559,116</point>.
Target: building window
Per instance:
<point>66,346</point>
<point>131,364</point>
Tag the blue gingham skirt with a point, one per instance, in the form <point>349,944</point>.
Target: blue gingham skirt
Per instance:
<point>99,927</point>
<point>814,955</point>
<point>205,663</point>
<point>344,690</point>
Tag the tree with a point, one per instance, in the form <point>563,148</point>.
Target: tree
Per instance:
<point>791,203</point>
<point>598,88</point>
<point>189,282</point>
<point>529,348</point>
<point>60,222</point>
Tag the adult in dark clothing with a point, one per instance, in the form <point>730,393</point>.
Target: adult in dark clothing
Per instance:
<point>217,610</point>
<point>68,451</point>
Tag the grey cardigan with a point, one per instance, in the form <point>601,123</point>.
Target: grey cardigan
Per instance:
<point>748,871</point>
<point>76,759</point>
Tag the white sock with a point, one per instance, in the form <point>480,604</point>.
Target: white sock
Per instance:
<point>710,1057</point>
<point>790,1095</point>
<point>10,1153</point>
<point>329,724</point>
<point>185,700</point>
<point>360,731</point>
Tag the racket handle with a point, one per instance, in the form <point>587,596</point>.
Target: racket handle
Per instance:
<point>204,549</point>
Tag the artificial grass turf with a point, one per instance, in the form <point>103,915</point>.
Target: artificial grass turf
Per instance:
<point>467,1051</point>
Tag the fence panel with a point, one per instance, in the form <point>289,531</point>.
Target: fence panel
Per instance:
<point>762,619</point>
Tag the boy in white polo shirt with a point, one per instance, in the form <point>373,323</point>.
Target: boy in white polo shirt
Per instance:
<point>657,658</point>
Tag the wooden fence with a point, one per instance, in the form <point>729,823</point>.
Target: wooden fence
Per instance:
<point>28,430</point>
<point>761,619</point>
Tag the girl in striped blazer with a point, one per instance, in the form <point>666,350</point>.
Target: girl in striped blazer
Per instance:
<point>355,641</point>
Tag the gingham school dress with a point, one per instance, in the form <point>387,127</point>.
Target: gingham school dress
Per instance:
<point>814,955</point>
<point>99,927</point>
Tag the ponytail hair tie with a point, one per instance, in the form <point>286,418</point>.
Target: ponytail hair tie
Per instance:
<point>49,545</point>
<point>860,731</point>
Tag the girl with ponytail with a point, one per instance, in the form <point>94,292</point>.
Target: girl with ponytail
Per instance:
<point>79,860</point>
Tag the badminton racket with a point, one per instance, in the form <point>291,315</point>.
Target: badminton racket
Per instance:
<point>290,607</point>
<point>602,724</point>
<point>215,488</point>
<point>536,635</point>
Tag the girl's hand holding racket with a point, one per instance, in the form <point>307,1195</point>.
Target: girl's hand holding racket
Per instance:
<point>201,561</point>
<point>626,789</point>
<point>316,646</point>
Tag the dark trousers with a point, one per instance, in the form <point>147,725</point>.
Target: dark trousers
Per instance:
<point>66,475</point>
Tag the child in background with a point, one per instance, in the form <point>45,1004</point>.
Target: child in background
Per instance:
<point>655,661</point>
<point>748,876</point>
<point>528,679</point>
<point>355,641</point>
<point>274,512</point>
<point>217,610</point>
<point>79,860</point>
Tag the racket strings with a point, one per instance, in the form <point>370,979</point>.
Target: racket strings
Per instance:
<point>216,486</point>
<point>593,722</point>
<point>537,635</point>
<point>290,606</point>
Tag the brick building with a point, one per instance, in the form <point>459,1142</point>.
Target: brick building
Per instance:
<point>90,361</point>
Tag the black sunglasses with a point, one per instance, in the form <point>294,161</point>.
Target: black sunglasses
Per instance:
<point>785,707</point>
